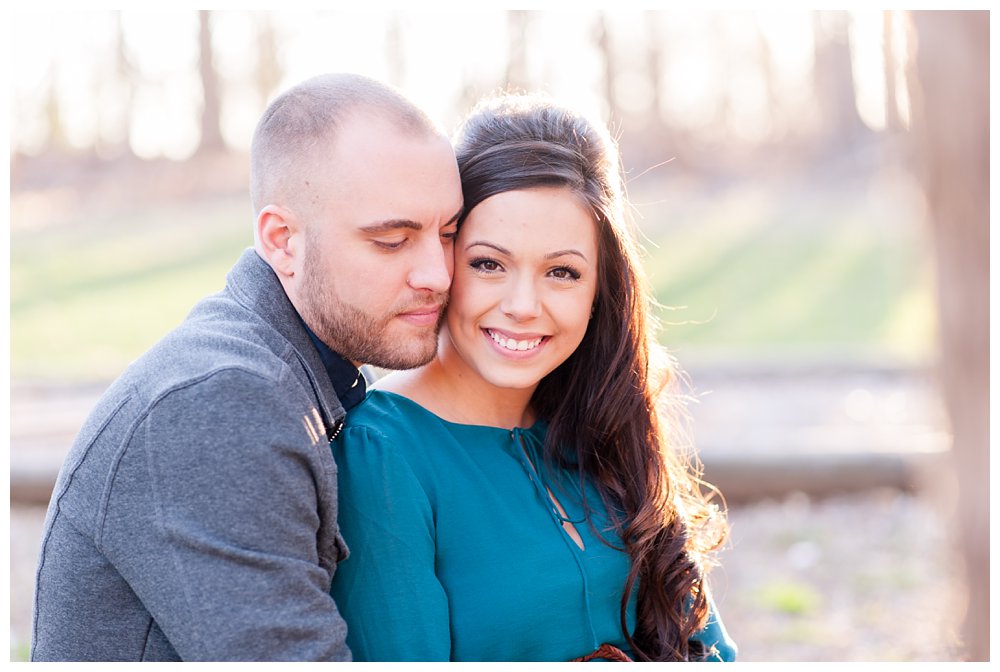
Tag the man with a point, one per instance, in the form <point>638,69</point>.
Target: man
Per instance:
<point>195,515</point>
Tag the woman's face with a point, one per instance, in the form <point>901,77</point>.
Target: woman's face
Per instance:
<point>525,280</point>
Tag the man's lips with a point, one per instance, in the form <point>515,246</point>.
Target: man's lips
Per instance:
<point>423,315</point>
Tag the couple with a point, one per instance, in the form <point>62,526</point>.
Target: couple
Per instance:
<point>510,496</point>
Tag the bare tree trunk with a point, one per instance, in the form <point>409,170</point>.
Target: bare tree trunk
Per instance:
<point>602,39</point>
<point>834,80</point>
<point>518,21</point>
<point>654,66</point>
<point>765,59</point>
<point>57,140</point>
<point>114,127</point>
<point>127,74</point>
<point>211,112</point>
<point>660,142</point>
<point>395,61</point>
<point>268,72</point>
<point>892,122</point>
<point>950,88</point>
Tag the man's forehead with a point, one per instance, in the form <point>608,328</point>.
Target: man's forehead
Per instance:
<point>368,123</point>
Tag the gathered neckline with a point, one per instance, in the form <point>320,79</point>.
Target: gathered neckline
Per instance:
<point>538,425</point>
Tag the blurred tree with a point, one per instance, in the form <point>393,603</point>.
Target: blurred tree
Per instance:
<point>57,140</point>
<point>268,72</point>
<point>518,24</point>
<point>892,118</point>
<point>394,59</point>
<point>728,54</point>
<point>654,64</point>
<point>602,40</point>
<point>949,92</point>
<point>840,122</point>
<point>765,61</point>
<point>211,128</point>
<point>658,141</point>
<point>112,139</point>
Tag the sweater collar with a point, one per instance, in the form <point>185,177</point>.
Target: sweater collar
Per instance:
<point>254,284</point>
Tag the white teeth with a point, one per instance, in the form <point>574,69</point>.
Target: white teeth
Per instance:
<point>511,344</point>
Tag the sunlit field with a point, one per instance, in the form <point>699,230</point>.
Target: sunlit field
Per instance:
<point>792,272</point>
<point>743,258</point>
<point>756,269</point>
<point>810,188</point>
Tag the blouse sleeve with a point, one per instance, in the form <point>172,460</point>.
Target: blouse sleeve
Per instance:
<point>719,647</point>
<point>387,589</point>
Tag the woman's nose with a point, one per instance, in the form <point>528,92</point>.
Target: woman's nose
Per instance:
<point>521,302</point>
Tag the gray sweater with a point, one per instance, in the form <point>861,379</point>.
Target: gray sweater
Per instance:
<point>195,516</point>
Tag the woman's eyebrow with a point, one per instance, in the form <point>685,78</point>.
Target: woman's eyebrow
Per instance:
<point>553,255</point>
<point>486,243</point>
<point>505,251</point>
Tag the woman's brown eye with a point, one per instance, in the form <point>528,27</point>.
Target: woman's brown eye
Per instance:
<point>487,265</point>
<point>565,273</point>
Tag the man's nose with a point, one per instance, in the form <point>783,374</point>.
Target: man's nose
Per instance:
<point>433,266</point>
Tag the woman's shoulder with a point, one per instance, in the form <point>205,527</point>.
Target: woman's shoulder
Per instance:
<point>382,453</point>
<point>385,413</point>
<point>386,433</point>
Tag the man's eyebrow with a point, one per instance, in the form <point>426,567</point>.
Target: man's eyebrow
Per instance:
<point>389,225</point>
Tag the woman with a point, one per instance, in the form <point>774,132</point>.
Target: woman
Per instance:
<point>517,498</point>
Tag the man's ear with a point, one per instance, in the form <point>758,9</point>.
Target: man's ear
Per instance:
<point>277,238</point>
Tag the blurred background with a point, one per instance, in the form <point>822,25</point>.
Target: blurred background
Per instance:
<point>812,192</point>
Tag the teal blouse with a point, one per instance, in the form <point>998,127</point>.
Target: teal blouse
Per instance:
<point>458,552</point>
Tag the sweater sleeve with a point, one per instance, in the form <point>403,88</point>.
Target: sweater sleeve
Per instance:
<point>213,516</point>
<point>395,606</point>
<point>718,645</point>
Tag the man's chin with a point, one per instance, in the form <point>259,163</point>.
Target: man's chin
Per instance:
<point>419,353</point>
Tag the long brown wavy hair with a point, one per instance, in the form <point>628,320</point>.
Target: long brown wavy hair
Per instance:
<point>612,405</point>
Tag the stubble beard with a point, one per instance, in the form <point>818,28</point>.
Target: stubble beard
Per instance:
<point>359,336</point>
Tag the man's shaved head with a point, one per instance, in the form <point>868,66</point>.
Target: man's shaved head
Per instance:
<point>299,128</point>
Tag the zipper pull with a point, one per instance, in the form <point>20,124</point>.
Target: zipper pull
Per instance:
<point>334,431</point>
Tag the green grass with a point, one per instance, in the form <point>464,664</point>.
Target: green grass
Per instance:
<point>88,298</point>
<point>788,597</point>
<point>19,653</point>
<point>756,279</point>
<point>745,272</point>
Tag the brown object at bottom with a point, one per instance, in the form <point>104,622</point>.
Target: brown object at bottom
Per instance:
<point>605,652</point>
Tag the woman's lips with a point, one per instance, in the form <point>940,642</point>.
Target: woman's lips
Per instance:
<point>515,344</point>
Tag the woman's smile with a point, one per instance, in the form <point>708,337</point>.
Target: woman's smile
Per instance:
<point>507,343</point>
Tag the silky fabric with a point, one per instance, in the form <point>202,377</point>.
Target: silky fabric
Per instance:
<point>458,549</point>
